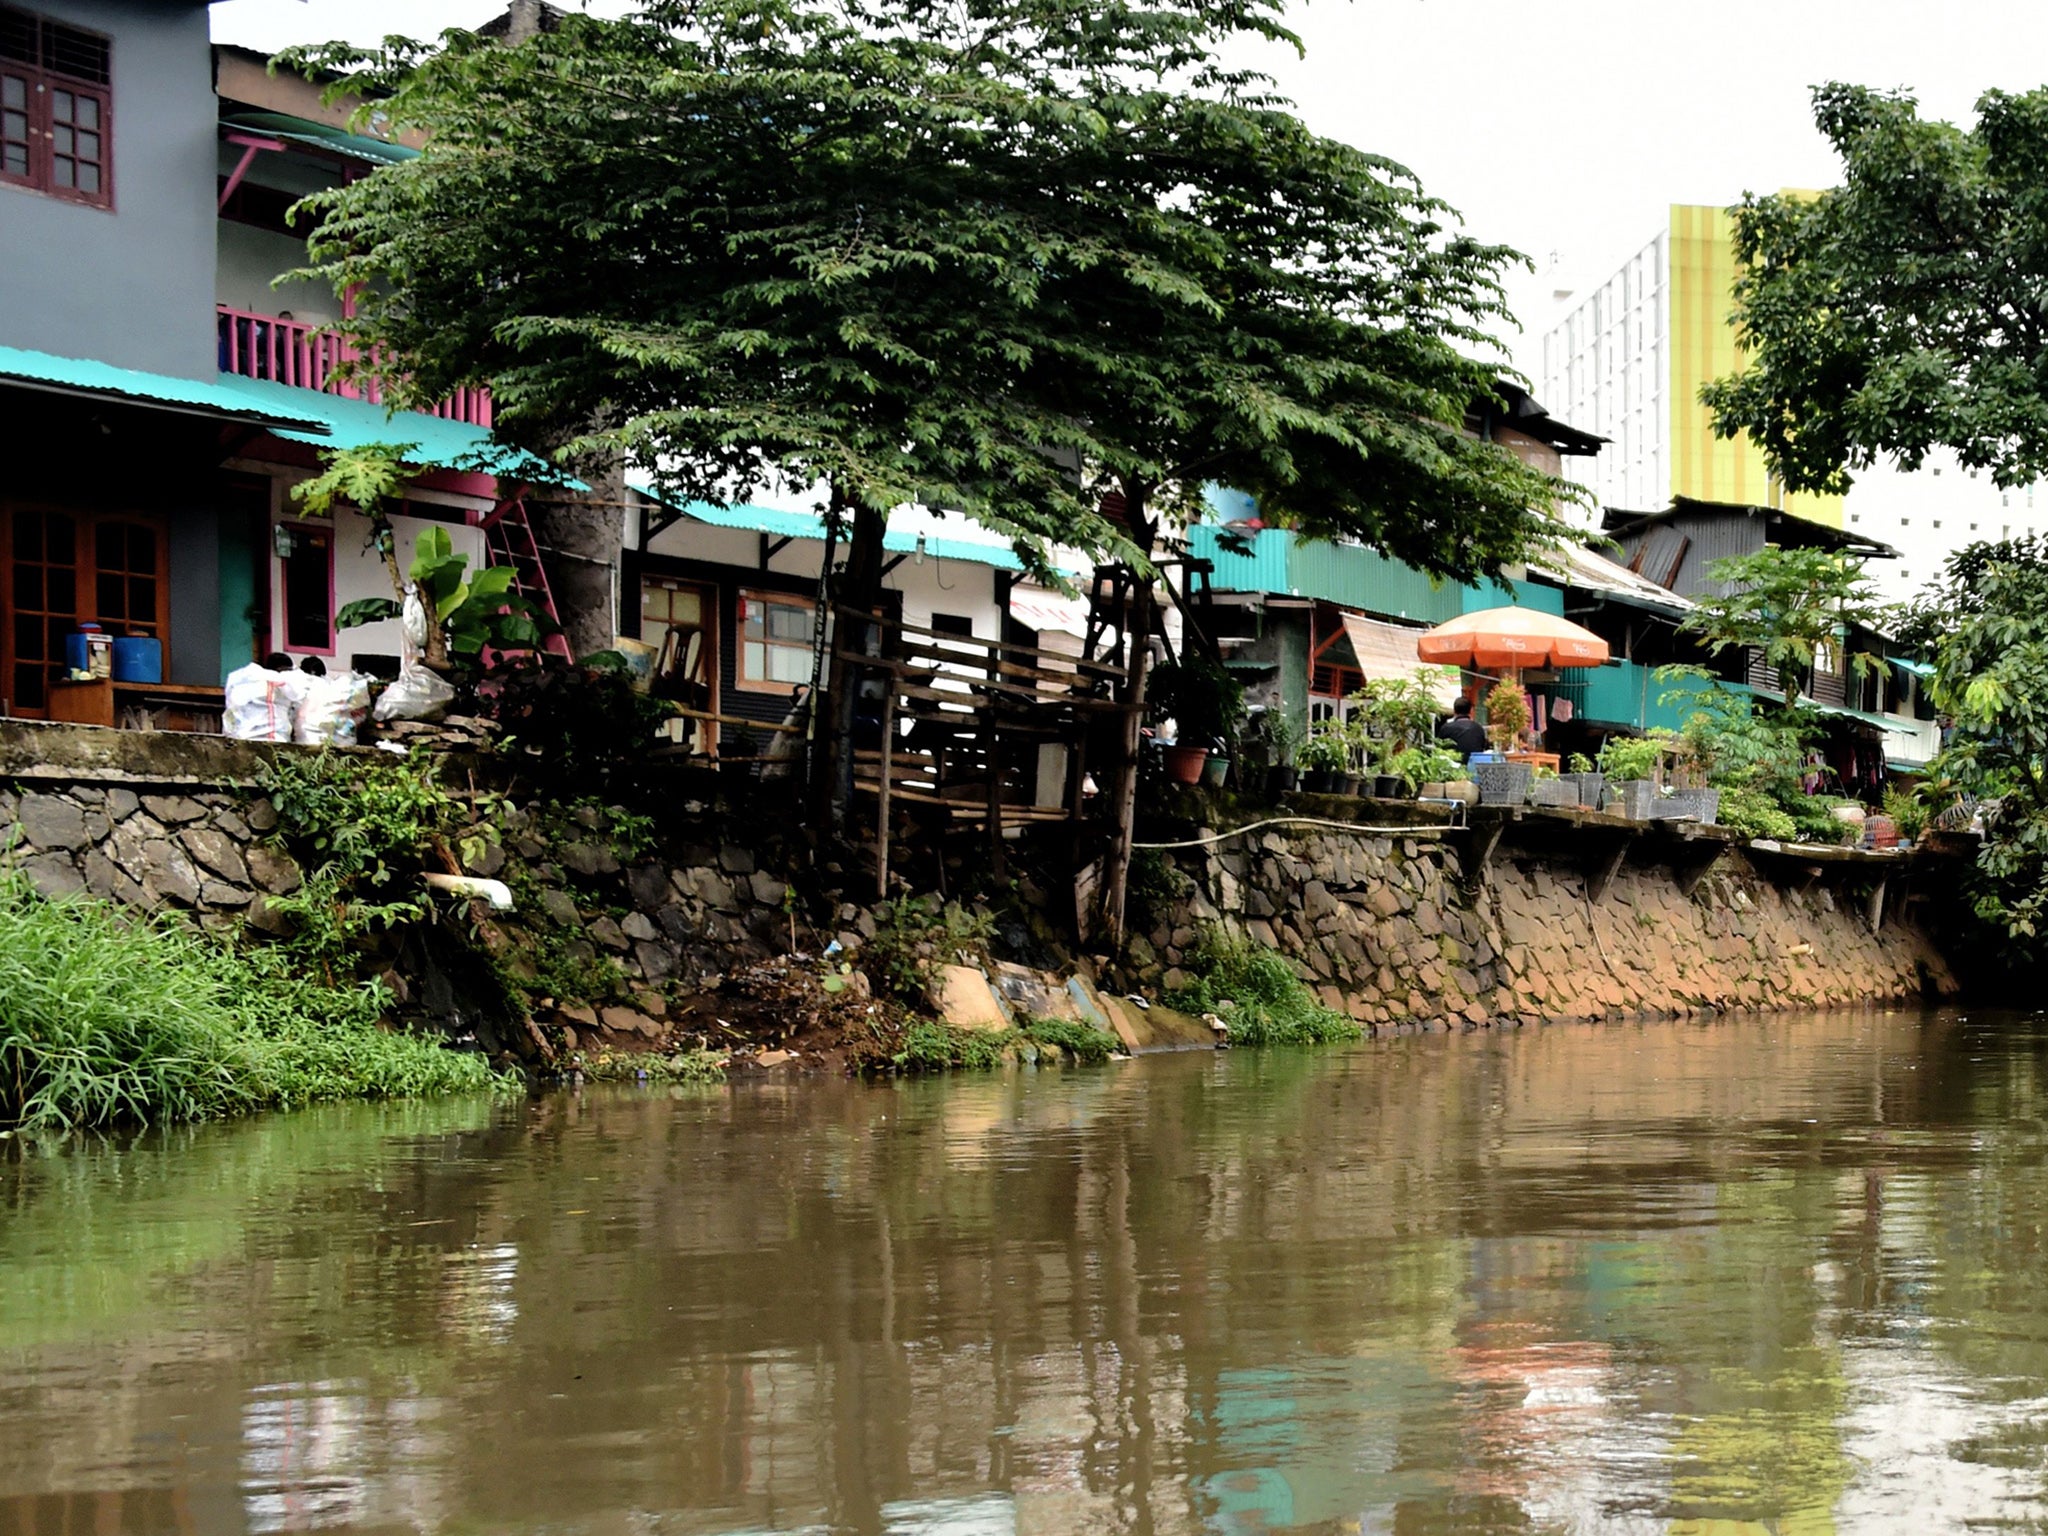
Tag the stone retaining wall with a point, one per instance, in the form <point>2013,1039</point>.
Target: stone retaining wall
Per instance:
<point>1388,929</point>
<point>1387,926</point>
<point>119,815</point>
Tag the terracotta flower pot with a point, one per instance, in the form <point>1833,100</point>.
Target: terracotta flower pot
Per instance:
<point>1184,764</point>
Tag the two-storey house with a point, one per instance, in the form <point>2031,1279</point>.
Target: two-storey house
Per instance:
<point>162,392</point>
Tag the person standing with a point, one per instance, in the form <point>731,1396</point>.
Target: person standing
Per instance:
<point>1462,731</point>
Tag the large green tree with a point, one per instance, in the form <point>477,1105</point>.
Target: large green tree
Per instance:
<point>935,252</point>
<point>906,250</point>
<point>1902,311</point>
<point>1992,680</point>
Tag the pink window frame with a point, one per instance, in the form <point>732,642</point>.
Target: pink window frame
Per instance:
<point>280,619</point>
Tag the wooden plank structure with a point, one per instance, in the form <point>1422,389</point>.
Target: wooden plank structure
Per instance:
<point>960,722</point>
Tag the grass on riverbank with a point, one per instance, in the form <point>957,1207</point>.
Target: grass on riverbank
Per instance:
<point>1256,992</point>
<point>107,1019</point>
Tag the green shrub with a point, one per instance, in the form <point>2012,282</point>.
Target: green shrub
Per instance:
<point>914,937</point>
<point>1623,758</point>
<point>1755,814</point>
<point>1083,1042</point>
<point>1816,821</point>
<point>109,1019</point>
<point>1256,992</point>
<point>361,829</point>
<point>929,1046</point>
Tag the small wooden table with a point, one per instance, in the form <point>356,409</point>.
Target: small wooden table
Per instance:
<point>192,707</point>
<point>195,707</point>
<point>1548,760</point>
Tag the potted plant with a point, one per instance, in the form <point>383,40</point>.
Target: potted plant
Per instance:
<point>1630,765</point>
<point>1553,789</point>
<point>1908,810</point>
<point>1322,757</point>
<point>1282,738</point>
<point>1393,715</point>
<point>1206,705</point>
<point>1427,770</point>
<point>1507,718</point>
<point>1580,771</point>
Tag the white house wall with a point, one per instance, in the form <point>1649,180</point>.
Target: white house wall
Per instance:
<point>359,573</point>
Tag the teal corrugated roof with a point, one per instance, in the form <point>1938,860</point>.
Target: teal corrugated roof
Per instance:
<point>778,524</point>
<point>84,376</point>
<point>302,130</point>
<point>437,442</point>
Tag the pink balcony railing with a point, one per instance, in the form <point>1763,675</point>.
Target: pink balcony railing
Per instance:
<point>297,353</point>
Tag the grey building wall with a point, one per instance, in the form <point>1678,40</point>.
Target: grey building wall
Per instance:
<point>133,285</point>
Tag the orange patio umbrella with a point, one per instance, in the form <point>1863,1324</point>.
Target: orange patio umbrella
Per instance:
<point>1510,639</point>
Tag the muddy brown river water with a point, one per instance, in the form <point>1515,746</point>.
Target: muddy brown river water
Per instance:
<point>1778,1274</point>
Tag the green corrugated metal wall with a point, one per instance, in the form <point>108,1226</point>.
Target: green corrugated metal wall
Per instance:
<point>1275,561</point>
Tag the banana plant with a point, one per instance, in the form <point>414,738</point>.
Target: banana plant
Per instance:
<point>471,613</point>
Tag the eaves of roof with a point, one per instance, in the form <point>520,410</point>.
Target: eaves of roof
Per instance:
<point>91,379</point>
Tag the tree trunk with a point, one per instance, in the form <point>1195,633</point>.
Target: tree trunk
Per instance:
<point>580,537</point>
<point>860,589</point>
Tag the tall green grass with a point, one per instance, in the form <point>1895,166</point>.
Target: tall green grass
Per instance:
<point>1256,992</point>
<point>107,1018</point>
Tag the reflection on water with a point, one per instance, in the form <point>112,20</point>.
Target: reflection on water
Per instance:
<point>1778,1274</point>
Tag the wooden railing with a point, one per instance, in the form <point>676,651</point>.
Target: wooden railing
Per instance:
<point>962,722</point>
<point>294,352</point>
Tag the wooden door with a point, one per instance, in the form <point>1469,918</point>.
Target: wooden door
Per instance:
<point>678,619</point>
<point>59,567</point>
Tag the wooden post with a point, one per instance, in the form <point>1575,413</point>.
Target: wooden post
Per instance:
<point>882,795</point>
<point>1117,877</point>
<point>995,793</point>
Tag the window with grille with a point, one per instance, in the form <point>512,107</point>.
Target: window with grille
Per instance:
<point>775,641</point>
<point>56,108</point>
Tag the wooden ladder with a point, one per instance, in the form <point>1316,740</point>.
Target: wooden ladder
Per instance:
<point>508,537</point>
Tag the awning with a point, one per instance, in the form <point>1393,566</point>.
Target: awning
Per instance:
<point>1043,611</point>
<point>96,380</point>
<point>311,135</point>
<point>1388,650</point>
<point>1906,742</point>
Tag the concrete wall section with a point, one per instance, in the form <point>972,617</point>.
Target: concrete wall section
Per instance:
<point>131,285</point>
<point>251,260</point>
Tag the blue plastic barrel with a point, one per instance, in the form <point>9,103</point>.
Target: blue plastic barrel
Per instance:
<point>138,659</point>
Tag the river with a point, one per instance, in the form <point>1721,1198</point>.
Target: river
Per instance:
<point>1776,1274</point>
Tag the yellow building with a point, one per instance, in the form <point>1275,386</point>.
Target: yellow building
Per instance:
<point>1628,359</point>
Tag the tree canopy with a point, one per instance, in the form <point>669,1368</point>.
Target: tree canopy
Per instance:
<point>1992,679</point>
<point>1900,312</point>
<point>933,253</point>
<point>1927,618</point>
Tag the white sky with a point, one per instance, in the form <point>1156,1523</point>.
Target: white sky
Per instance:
<point>1562,129</point>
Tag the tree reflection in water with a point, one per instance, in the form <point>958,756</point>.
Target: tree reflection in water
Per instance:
<point>1773,1274</point>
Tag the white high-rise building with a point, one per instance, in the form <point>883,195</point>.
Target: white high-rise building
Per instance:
<point>1627,360</point>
